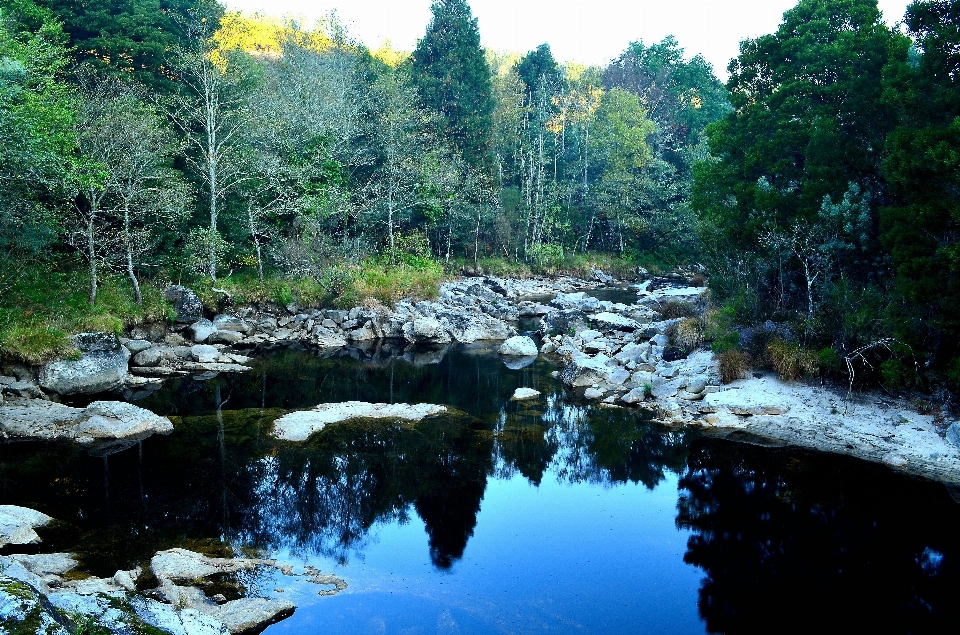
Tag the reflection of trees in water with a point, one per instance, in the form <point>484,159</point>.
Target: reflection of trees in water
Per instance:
<point>587,444</point>
<point>801,543</point>
<point>325,495</point>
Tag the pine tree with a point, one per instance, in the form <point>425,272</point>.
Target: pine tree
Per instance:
<point>453,78</point>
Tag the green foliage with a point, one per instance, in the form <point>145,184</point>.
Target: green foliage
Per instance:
<point>131,38</point>
<point>546,256</point>
<point>720,329</point>
<point>451,74</point>
<point>41,311</point>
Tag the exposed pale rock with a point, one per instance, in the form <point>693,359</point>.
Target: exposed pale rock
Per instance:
<point>326,338</point>
<point>251,614</point>
<point>363,334</point>
<point>201,330</point>
<point>579,301</point>
<point>548,347</point>
<point>17,525</point>
<point>225,337</point>
<point>635,396</point>
<point>100,426</point>
<point>427,331</point>
<point>225,322</point>
<point>563,322</point>
<point>137,346</point>
<point>522,394</point>
<point>93,373</point>
<point>745,402</point>
<point>519,346</point>
<point>22,607</point>
<point>298,426</point>
<point>584,371</point>
<point>204,353</point>
<point>593,394</point>
<point>46,563</point>
<point>614,322</point>
<point>183,565</point>
<point>667,389</point>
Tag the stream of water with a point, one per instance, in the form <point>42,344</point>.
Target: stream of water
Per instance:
<point>503,517</point>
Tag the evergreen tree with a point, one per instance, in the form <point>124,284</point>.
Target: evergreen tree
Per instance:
<point>131,37</point>
<point>453,78</point>
<point>921,226</point>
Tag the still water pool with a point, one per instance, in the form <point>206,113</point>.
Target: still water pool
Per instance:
<point>551,516</point>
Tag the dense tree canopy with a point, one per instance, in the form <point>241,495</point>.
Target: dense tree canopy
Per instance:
<point>452,77</point>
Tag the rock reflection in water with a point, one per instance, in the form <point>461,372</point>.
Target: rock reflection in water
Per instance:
<point>817,543</point>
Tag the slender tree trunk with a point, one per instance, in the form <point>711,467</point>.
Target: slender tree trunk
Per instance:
<point>92,254</point>
<point>256,241</point>
<point>129,249</point>
<point>212,158</point>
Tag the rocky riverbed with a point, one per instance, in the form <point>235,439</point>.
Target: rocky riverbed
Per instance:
<point>615,354</point>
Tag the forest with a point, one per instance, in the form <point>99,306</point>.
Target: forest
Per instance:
<point>154,141</point>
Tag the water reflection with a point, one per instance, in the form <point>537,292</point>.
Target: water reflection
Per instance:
<point>817,543</point>
<point>778,535</point>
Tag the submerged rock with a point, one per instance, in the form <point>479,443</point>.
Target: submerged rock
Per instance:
<point>17,525</point>
<point>298,426</point>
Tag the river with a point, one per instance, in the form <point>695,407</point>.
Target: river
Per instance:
<point>501,517</point>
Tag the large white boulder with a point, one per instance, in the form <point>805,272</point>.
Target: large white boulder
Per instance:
<point>298,426</point>
<point>519,346</point>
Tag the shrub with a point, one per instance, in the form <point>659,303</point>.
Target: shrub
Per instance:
<point>672,309</point>
<point>546,256</point>
<point>719,329</point>
<point>698,281</point>
<point>732,364</point>
<point>792,361</point>
<point>689,334</point>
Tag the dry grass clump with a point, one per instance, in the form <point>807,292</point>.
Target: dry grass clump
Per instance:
<point>698,281</point>
<point>733,365</point>
<point>792,361</point>
<point>689,335</point>
<point>672,309</point>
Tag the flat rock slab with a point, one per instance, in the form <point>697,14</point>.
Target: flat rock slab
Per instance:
<point>248,615</point>
<point>522,394</point>
<point>46,563</point>
<point>99,425</point>
<point>183,565</point>
<point>298,426</point>
<point>17,525</point>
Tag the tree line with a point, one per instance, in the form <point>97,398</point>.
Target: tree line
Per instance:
<point>172,135</point>
<point>829,198</point>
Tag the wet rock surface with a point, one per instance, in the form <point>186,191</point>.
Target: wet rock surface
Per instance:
<point>298,426</point>
<point>106,426</point>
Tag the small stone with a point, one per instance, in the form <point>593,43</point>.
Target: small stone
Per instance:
<point>204,353</point>
<point>521,394</point>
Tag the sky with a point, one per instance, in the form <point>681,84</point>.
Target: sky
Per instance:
<point>585,31</point>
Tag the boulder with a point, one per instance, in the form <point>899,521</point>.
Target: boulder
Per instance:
<point>584,371</point>
<point>563,322</point>
<point>24,610</point>
<point>519,346</point>
<point>186,304</point>
<point>101,426</point>
<point>204,353</point>
<point>24,389</point>
<point>365,333</point>
<point>953,434</point>
<point>225,337</point>
<point>326,338</point>
<point>137,346</point>
<point>601,277</point>
<point>593,394</point>
<point>96,342</point>
<point>579,301</point>
<point>46,563</point>
<point>474,327</point>
<point>201,330</point>
<point>93,373</point>
<point>298,426</point>
<point>426,331</point>
<point>250,615</point>
<point>613,322</point>
<point>523,394</point>
<point>17,525</point>
<point>225,322</point>
<point>635,396</point>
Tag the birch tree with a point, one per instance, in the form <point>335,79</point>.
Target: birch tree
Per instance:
<point>211,110</point>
